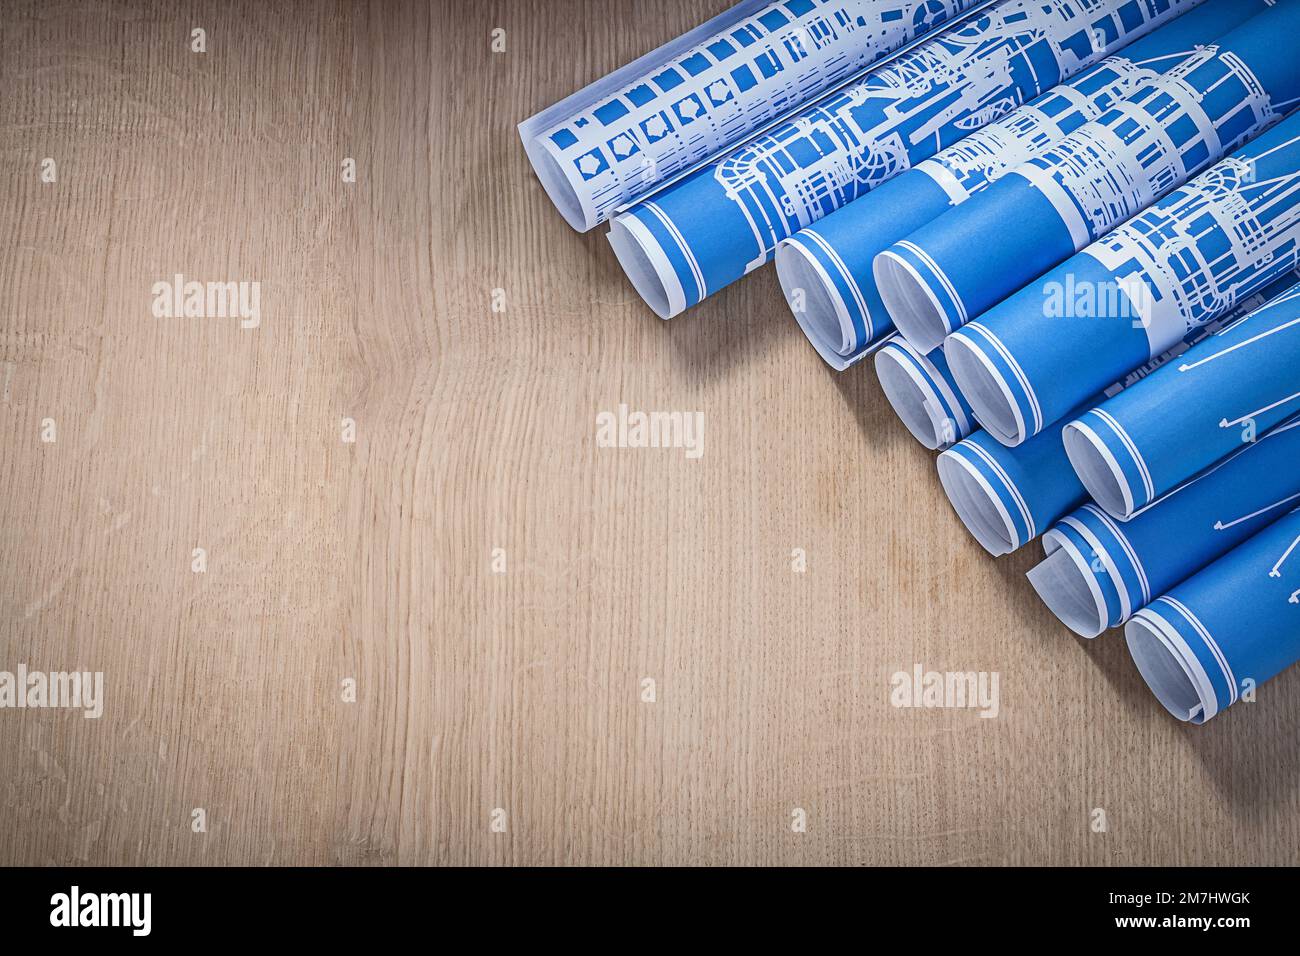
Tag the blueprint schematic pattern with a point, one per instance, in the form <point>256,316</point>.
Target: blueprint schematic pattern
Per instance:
<point>1187,261</point>
<point>827,269</point>
<point>1233,386</point>
<point>691,99</point>
<point>1173,127</point>
<point>1099,570</point>
<point>725,220</point>
<point>1226,630</point>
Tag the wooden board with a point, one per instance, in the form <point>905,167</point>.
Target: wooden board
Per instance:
<point>373,560</point>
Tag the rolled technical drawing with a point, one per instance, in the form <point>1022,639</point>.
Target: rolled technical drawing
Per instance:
<point>709,228</point>
<point>1225,631</point>
<point>690,99</point>
<point>922,392</point>
<point>1099,571</point>
<point>1007,497</point>
<point>1234,385</point>
<point>1173,127</point>
<point>1243,307</point>
<point>1186,261</point>
<point>826,268</point>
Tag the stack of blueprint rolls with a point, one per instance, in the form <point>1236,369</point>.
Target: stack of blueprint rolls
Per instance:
<point>1067,232</point>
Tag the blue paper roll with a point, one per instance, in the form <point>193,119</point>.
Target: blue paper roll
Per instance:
<point>1099,571</point>
<point>1230,388</point>
<point>1181,264</point>
<point>721,222</point>
<point>826,269</point>
<point>692,98</point>
<point>1170,129</point>
<point>1007,496</point>
<point>923,393</point>
<point>1222,633</point>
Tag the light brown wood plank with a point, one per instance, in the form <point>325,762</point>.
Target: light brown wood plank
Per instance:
<point>475,430</point>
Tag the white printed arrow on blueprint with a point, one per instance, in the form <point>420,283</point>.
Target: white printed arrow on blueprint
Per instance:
<point>1277,568</point>
<point>1240,345</point>
<point>1221,526</point>
<point>1257,412</point>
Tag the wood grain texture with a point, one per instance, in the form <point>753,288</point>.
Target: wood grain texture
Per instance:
<point>475,430</point>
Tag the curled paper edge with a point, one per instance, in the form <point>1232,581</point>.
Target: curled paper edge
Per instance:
<point>823,316</point>
<point>1170,668</point>
<point>646,266</point>
<point>1098,471</point>
<point>1067,586</point>
<point>977,505</point>
<point>557,186</point>
<point>911,386</point>
<point>910,302</point>
<point>984,387</point>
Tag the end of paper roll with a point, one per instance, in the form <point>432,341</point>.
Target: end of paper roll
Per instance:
<point>977,504</point>
<point>815,303</point>
<point>911,304</point>
<point>646,266</point>
<point>1066,585</point>
<point>913,399</point>
<point>985,389</point>
<point>1170,669</point>
<point>559,189</point>
<point>1097,469</point>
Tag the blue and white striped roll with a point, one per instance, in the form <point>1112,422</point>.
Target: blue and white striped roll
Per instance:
<point>1099,570</point>
<point>1174,126</point>
<point>618,138</point>
<point>1007,497</point>
<point>1225,631</point>
<point>921,390</point>
<point>710,228</point>
<point>1230,388</point>
<point>1183,263</point>
<point>826,268</point>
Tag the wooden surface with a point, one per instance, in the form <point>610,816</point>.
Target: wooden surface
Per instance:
<point>475,430</point>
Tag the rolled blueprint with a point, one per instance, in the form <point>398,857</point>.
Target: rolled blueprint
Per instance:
<point>1227,630</point>
<point>1230,388</point>
<point>1099,571</point>
<point>1181,264</point>
<point>826,268</point>
<point>703,92</point>
<point>923,394</point>
<point>1007,497</point>
<point>1174,126</point>
<point>724,220</point>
